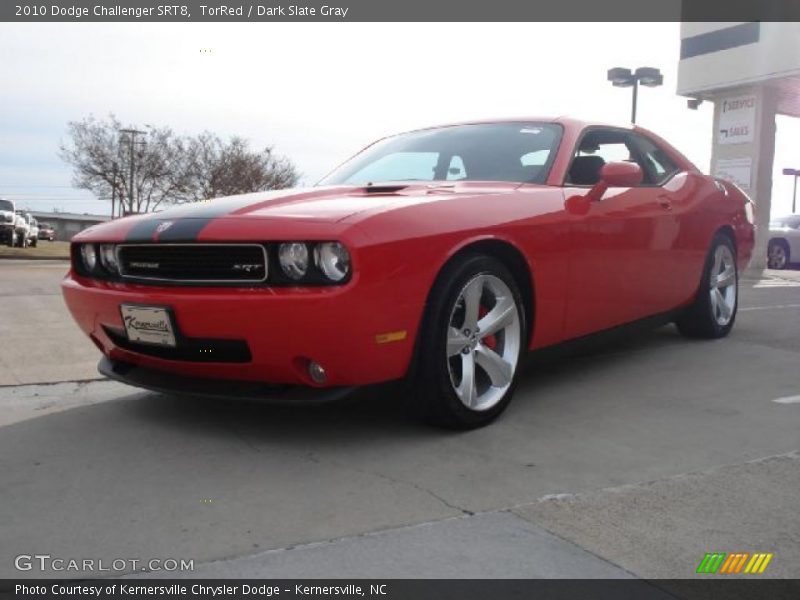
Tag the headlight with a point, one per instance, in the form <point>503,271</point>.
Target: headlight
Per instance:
<point>108,258</point>
<point>333,260</point>
<point>293,257</point>
<point>89,256</point>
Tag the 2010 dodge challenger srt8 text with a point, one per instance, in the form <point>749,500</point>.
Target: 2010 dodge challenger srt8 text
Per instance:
<point>437,256</point>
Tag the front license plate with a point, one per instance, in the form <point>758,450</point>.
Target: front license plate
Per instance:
<point>148,324</point>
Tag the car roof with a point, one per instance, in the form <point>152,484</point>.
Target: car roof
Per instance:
<point>571,123</point>
<point>562,120</point>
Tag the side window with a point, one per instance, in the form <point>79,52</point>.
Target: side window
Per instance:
<point>616,151</point>
<point>658,167</point>
<point>598,147</point>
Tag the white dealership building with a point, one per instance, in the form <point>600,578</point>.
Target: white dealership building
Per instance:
<point>751,72</point>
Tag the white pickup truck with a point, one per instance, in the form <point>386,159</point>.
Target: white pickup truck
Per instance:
<point>33,233</point>
<point>11,224</point>
<point>24,226</point>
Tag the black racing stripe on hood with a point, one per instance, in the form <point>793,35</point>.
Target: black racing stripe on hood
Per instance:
<point>184,230</point>
<point>178,230</point>
<point>143,231</point>
<point>187,220</point>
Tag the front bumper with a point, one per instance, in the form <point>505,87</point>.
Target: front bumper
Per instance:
<point>168,383</point>
<point>283,329</point>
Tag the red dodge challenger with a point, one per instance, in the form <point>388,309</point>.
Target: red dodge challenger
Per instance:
<point>437,256</point>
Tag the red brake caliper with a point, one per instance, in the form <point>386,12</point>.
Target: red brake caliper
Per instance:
<point>489,340</point>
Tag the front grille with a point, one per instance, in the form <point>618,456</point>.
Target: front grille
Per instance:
<point>198,263</point>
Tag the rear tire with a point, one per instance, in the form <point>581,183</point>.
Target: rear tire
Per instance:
<point>778,254</point>
<point>713,312</point>
<point>470,343</point>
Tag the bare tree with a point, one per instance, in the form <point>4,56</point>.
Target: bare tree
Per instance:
<point>101,155</point>
<point>216,168</point>
<point>167,168</point>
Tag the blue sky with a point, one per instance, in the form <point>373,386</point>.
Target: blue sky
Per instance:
<point>318,91</point>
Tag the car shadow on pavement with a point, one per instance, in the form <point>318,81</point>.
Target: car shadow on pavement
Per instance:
<point>382,408</point>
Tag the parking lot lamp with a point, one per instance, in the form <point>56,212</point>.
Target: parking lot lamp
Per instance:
<point>647,76</point>
<point>794,173</point>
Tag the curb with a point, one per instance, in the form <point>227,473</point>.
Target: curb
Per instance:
<point>65,258</point>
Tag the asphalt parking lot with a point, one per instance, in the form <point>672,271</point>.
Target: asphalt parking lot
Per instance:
<point>633,459</point>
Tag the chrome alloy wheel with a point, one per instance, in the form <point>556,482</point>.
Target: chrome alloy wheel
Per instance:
<point>483,342</point>
<point>722,286</point>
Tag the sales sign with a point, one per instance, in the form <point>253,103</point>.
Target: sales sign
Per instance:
<point>737,120</point>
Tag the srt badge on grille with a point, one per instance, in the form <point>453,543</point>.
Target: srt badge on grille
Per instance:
<point>144,265</point>
<point>247,268</point>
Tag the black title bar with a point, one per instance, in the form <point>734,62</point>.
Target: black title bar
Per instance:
<point>401,10</point>
<point>701,587</point>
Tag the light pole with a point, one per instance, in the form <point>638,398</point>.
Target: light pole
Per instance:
<point>131,135</point>
<point>794,173</point>
<point>622,77</point>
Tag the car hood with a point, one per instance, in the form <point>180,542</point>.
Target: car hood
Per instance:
<point>316,206</point>
<point>330,204</point>
<point>320,209</point>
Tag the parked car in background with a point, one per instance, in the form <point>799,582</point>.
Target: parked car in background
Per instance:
<point>438,256</point>
<point>22,229</point>
<point>47,232</point>
<point>8,222</point>
<point>33,232</point>
<point>784,242</point>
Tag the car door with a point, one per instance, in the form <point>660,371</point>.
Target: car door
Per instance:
<point>619,260</point>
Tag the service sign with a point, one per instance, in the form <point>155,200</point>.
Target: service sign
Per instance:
<point>737,120</point>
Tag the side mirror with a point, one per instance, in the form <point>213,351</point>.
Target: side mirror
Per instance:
<point>613,174</point>
<point>578,205</point>
<point>621,174</point>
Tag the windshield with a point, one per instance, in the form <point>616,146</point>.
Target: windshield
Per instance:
<point>6,205</point>
<point>516,152</point>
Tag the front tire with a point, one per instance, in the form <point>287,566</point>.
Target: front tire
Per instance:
<point>713,312</point>
<point>471,340</point>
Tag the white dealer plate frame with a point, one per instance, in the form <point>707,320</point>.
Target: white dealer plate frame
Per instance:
<point>148,324</point>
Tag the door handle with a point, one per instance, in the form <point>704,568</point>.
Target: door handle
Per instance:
<point>665,202</point>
